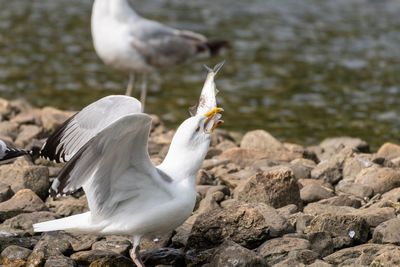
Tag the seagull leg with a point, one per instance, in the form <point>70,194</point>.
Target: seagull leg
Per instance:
<point>143,91</point>
<point>134,253</point>
<point>130,84</point>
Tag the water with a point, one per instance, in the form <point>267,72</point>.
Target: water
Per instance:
<point>301,69</point>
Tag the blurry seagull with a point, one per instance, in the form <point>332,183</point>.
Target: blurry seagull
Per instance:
<point>128,42</point>
<point>105,147</point>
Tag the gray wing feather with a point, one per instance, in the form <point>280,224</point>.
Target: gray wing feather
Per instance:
<point>62,145</point>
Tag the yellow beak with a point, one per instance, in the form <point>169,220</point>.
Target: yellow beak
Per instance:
<point>212,112</point>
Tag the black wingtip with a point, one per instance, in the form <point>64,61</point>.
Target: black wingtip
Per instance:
<point>216,45</point>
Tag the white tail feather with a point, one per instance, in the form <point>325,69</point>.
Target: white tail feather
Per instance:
<point>76,222</point>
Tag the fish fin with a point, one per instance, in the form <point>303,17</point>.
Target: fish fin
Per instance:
<point>193,110</point>
<point>216,68</point>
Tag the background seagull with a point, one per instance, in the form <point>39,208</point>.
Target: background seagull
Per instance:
<point>9,152</point>
<point>128,42</point>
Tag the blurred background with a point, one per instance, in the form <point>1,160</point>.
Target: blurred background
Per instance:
<point>300,69</point>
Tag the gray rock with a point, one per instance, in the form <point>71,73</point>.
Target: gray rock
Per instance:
<point>112,260</point>
<point>328,170</point>
<point>387,232</point>
<point>59,261</point>
<point>319,263</point>
<point>15,256</point>
<point>234,179</point>
<point>347,229</point>
<point>301,221</point>
<point>5,192</point>
<point>246,224</point>
<point>276,187</point>
<point>322,243</point>
<point>388,256</point>
<point>12,240</point>
<point>358,190</point>
<point>22,202</point>
<point>51,244</point>
<point>298,258</point>
<point>319,209</point>
<point>79,242</point>
<point>118,246</point>
<point>53,118</point>
<point>375,216</point>
<point>9,129</point>
<point>315,192</point>
<point>353,165</point>
<point>381,180</point>
<point>19,176</point>
<point>277,249</point>
<point>332,146</point>
<point>22,224</point>
<point>302,168</point>
<point>230,254</point>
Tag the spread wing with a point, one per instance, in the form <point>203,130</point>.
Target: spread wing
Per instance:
<point>9,152</point>
<point>65,142</point>
<point>114,167</point>
<point>164,46</point>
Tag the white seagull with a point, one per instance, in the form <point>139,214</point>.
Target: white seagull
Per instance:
<point>105,147</point>
<point>128,42</point>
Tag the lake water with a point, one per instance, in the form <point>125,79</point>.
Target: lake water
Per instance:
<point>300,69</point>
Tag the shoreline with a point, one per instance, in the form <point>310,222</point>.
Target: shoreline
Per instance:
<point>260,202</point>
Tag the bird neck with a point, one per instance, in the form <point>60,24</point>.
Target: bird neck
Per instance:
<point>183,162</point>
<point>118,9</point>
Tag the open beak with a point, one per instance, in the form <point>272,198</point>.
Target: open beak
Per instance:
<point>213,119</point>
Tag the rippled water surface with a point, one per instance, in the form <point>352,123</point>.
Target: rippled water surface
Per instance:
<point>301,69</point>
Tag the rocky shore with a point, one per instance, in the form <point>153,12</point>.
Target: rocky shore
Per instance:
<point>261,202</point>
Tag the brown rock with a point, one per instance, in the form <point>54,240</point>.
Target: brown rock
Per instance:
<point>5,192</point>
<point>353,165</point>
<point>27,133</point>
<point>67,206</point>
<point>8,128</point>
<point>277,249</point>
<point>22,224</point>
<point>388,256</point>
<point>276,187</point>
<point>230,254</point>
<point>118,246</point>
<point>315,192</point>
<point>328,170</point>
<point>79,242</point>
<point>19,176</point>
<point>23,201</point>
<point>234,179</point>
<point>332,146</point>
<point>358,190</point>
<point>319,209</point>
<point>59,261</point>
<point>91,256</point>
<point>342,200</point>
<point>111,261</point>
<point>389,151</point>
<point>387,232</point>
<point>375,216</point>
<point>380,180</point>
<point>260,139</point>
<point>302,168</point>
<point>15,256</point>
<point>246,224</point>
<point>53,118</point>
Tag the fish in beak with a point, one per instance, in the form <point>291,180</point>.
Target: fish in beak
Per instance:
<point>213,119</point>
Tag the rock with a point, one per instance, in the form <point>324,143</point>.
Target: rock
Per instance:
<point>212,163</point>
<point>27,133</point>
<point>22,202</point>
<point>49,245</point>
<point>118,246</point>
<point>375,216</point>
<point>288,210</point>
<point>12,240</point>
<point>183,232</point>
<point>344,229</point>
<point>332,146</point>
<point>91,256</point>
<point>315,192</point>
<point>15,256</point>
<point>322,243</point>
<point>277,249</point>
<point>353,165</point>
<point>59,261</point>
<point>328,170</point>
<point>276,187</point>
<point>53,118</point>
<point>79,242</point>
<point>302,168</point>
<point>234,179</point>
<point>21,176</point>
<point>9,129</point>
<point>111,261</point>
<point>246,224</point>
<point>319,209</point>
<point>358,190</point>
<point>225,145</point>
<point>5,192</point>
<point>67,206</point>
<point>389,151</point>
<point>388,256</point>
<point>22,224</point>
<point>361,255</point>
<point>298,258</point>
<point>379,179</point>
<point>163,256</point>
<point>31,117</point>
<point>341,200</point>
<point>319,263</point>
<point>230,254</point>
<point>387,232</point>
<point>260,139</point>
<point>301,221</point>
<point>244,157</point>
